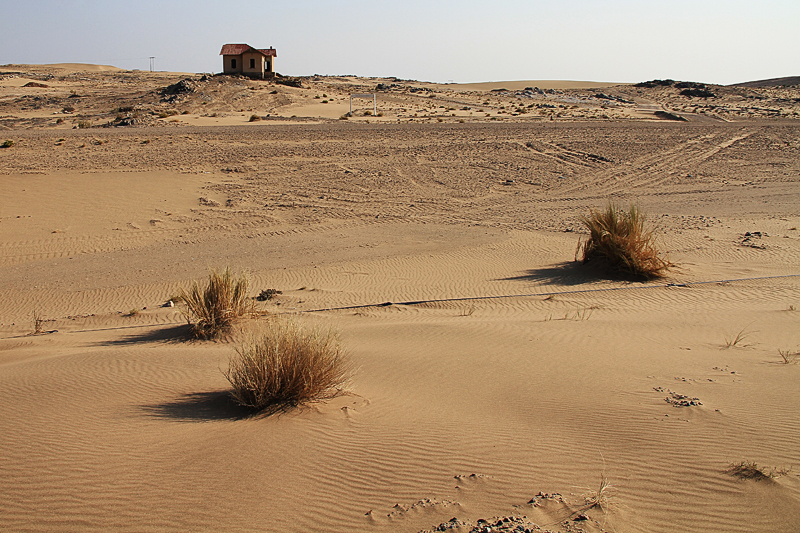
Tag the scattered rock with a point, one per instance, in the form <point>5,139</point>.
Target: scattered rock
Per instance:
<point>689,85</point>
<point>208,203</point>
<point>669,116</point>
<point>267,294</point>
<point>752,239</point>
<point>184,86</point>
<point>536,500</point>
<point>698,93</point>
<point>129,121</point>
<point>290,82</point>
<point>681,400</point>
<point>656,83</point>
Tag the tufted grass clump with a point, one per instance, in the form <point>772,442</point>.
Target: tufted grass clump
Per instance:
<point>212,310</point>
<point>621,244</point>
<point>287,365</point>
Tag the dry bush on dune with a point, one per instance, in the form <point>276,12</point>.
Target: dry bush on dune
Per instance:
<point>287,365</point>
<point>212,310</point>
<point>620,244</point>
<point>38,322</point>
<point>750,470</point>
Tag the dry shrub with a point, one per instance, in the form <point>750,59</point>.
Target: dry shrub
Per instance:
<point>750,470</point>
<point>621,245</point>
<point>287,366</point>
<point>38,322</point>
<point>212,310</point>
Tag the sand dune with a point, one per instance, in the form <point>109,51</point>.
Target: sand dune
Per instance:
<point>495,376</point>
<point>518,85</point>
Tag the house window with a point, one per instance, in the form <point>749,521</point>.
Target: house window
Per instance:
<point>268,67</point>
<point>253,63</point>
<point>233,63</point>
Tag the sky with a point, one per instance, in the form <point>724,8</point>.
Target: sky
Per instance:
<point>712,41</point>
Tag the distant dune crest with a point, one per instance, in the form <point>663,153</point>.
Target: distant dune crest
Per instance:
<point>772,82</point>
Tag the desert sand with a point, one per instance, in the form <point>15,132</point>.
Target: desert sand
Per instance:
<point>496,378</point>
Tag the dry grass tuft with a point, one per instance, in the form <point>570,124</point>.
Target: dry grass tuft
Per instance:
<point>288,366</point>
<point>750,470</point>
<point>212,310</point>
<point>599,498</point>
<point>788,357</point>
<point>38,322</point>
<point>621,245</point>
<point>738,339</point>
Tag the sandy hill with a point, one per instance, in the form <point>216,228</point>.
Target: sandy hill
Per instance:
<point>772,82</point>
<point>67,96</point>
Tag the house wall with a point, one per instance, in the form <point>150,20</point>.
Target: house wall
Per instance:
<point>226,64</point>
<point>259,64</point>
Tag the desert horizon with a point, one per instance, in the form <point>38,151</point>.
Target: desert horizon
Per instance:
<point>497,384</point>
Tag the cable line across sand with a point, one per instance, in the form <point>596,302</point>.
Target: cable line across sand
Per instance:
<point>556,293</point>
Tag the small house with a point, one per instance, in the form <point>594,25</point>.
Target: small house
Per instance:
<point>248,61</point>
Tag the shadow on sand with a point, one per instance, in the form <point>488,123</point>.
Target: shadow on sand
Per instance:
<point>565,274</point>
<point>175,333</point>
<point>200,407</point>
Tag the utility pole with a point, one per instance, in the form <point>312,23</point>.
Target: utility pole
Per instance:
<point>152,62</point>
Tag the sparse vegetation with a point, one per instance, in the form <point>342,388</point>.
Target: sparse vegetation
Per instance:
<point>750,470</point>
<point>288,366</point>
<point>580,314</point>
<point>737,339</point>
<point>7,144</point>
<point>254,118</point>
<point>83,124</point>
<point>620,244</point>
<point>133,312</point>
<point>788,357</point>
<point>599,498</point>
<point>38,322</point>
<point>212,310</point>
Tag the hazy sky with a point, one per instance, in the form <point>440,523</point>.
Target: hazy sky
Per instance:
<point>715,41</point>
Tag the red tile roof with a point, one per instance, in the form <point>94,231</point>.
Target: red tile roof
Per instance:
<point>239,49</point>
